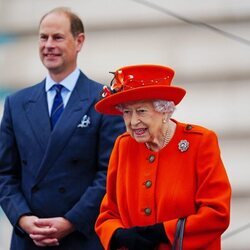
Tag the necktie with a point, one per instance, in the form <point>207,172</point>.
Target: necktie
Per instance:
<point>57,107</point>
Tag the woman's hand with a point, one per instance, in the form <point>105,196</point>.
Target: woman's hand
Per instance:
<point>146,237</point>
<point>130,239</point>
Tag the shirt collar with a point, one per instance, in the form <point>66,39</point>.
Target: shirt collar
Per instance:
<point>69,82</point>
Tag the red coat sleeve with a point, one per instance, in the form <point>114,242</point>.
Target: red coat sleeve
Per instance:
<point>109,219</point>
<point>204,228</point>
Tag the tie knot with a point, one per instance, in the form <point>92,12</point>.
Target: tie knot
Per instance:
<point>58,87</point>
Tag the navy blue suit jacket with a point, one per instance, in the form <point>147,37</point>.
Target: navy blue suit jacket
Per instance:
<point>58,173</point>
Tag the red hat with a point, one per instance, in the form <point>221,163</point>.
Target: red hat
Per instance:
<point>138,83</point>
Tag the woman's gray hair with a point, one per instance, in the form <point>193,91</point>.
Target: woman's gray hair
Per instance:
<point>164,106</point>
<point>161,106</point>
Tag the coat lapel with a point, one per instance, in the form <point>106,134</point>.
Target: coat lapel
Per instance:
<point>77,106</point>
<point>37,113</point>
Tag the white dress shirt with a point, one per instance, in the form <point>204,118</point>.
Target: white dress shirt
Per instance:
<point>68,83</point>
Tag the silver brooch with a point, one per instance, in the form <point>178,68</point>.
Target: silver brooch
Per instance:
<point>183,145</point>
<point>85,122</point>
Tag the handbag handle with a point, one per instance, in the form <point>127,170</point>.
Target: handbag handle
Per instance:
<point>179,233</point>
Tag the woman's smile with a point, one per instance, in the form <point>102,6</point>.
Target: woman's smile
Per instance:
<point>139,132</point>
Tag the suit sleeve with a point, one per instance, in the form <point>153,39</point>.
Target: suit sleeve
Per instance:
<point>11,198</point>
<point>85,212</point>
<point>212,199</point>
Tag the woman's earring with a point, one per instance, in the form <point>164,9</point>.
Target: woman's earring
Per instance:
<point>165,117</point>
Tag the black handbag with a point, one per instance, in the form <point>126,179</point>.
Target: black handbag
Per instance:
<point>179,233</point>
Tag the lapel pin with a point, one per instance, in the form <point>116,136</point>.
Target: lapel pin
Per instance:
<point>183,145</point>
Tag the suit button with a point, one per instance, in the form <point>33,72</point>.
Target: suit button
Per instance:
<point>62,190</point>
<point>147,211</point>
<point>148,184</point>
<point>151,158</point>
<point>35,189</point>
<point>24,162</point>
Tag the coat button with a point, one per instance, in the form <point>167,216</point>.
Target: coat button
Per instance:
<point>189,127</point>
<point>148,184</point>
<point>147,211</point>
<point>35,189</point>
<point>151,158</point>
<point>62,190</point>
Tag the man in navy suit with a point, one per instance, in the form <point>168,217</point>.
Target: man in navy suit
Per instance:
<point>52,179</point>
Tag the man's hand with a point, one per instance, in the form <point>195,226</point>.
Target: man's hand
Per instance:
<point>62,228</point>
<point>46,231</point>
<point>46,238</point>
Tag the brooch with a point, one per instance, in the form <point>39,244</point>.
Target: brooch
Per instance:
<point>183,145</point>
<point>85,122</point>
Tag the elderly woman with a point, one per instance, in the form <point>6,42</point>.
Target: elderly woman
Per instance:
<point>160,170</point>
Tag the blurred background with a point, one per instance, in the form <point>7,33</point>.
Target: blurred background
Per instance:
<point>207,43</point>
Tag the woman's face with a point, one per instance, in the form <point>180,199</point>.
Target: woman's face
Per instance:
<point>143,122</point>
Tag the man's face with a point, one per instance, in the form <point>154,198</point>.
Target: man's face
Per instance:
<point>57,47</point>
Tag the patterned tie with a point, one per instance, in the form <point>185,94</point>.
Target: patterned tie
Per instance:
<point>57,107</point>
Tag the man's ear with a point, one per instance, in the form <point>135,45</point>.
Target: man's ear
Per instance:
<point>80,40</point>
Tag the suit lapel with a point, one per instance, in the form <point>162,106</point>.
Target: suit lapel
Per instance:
<point>37,113</point>
<point>77,106</point>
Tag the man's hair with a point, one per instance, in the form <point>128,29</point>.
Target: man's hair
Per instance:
<point>76,24</point>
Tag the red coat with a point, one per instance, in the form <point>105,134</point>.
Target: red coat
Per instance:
<point>145,187</point>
